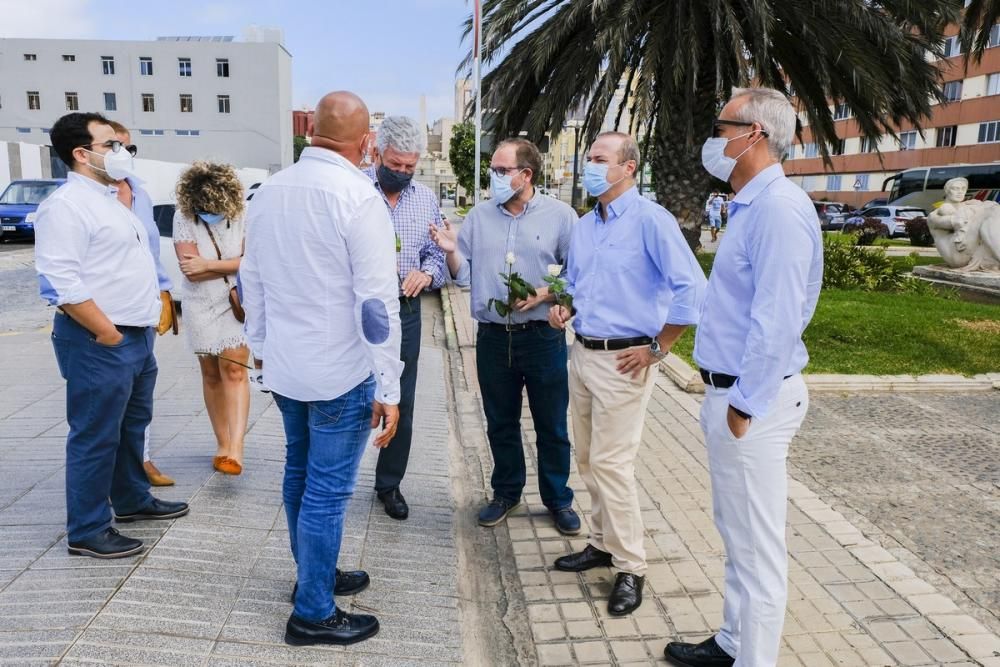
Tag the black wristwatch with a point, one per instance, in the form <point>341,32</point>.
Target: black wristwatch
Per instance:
<point>654,349</point>
<point>740,412</point>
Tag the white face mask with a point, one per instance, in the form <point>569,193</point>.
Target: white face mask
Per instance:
<point>118,165</point>
<point>714,158</point>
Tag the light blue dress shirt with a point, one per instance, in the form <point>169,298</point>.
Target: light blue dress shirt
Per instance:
<point>142,206</point>
<point>763,290</point>
<point>632,273</point>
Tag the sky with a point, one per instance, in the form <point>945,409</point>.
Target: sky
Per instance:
<point>388,51</point>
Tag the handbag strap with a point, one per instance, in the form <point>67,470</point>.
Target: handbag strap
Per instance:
<point>218,252</point>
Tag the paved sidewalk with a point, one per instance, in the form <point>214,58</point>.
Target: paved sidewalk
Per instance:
<point>213,587</point>
<point>851,602</point>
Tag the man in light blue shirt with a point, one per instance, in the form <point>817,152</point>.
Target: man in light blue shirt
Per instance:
<point>761,296</point>
<point>636,287</point>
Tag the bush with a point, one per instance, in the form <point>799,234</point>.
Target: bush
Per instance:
<point>919,232</point>
<point>869,230</point>
<point>847,266</point>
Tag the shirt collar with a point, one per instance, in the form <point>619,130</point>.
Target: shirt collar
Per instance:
<point>528,205</point>
<point>758,184</point>
<point>619,205</point>
<point>74,177</point>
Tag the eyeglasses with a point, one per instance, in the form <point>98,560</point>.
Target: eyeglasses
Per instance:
<point>115,145</point>
<point>719,123</point>
<point>503,171</point>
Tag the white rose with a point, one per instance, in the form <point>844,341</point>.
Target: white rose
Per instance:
<point>555,270</point>
<point>510,259</point>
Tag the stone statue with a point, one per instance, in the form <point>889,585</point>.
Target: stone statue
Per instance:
<point>966,233</point>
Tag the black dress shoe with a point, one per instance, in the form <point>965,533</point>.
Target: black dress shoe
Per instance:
<point>351,582</point>
<point>395,504</point>
<point>706,654</point>
<point>583,560</point>
<point>341,628</point>
<point>108,544</point>
<point>626,596</point>
<point>158,509</point>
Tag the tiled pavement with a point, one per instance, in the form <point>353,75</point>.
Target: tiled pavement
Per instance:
<point>213,587</point>
<point>851,602</point>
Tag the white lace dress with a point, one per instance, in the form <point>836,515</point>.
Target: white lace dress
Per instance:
<point>207,317</point>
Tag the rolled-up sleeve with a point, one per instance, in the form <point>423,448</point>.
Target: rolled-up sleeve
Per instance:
<point>371,246</point>
<point>432,260</point>
<point>675,261</point>
<point>61,242</point>
<point>780,257</point>
<point>252,292</point>
<point>465,242</point>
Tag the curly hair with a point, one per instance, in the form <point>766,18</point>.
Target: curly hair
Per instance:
<point>211,188</point>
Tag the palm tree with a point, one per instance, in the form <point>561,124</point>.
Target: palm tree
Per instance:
<point>679,59</point>
<point>980,18</point>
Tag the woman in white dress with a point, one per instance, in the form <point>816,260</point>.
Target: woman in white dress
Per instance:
<point>208,239</point>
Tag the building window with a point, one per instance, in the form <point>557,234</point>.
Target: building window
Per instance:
<point>146,133</point>
<point>809,150</point>
<point>72,102</point>
<point>184,66</point>
<point>952,47</point>
<point>790,156</point>
<point>833,183</point>
<point>989,133</point>
<point>195,133</point>
<point>187,104</point>
<point>861,182</point>
<point>868,144</point>
<point>946,136</point>
<point>841,111</point>
<point>224,104</point>
<point>993,84</point>
<point>24,130</point>
<point>34,101</point>
<point>31,56</point>
<point>837,147</point>
<point>222,67</point>
<point>145,66</point>
<point>68,58</point>
<point>158,133</point>
<point>807,183</point>
<point>108,65</point>
<point>907,141</point>
<point>182,133</point>
<point>994,36</point>
<point>110,102</point>
<point>952,91</point>
<point>148,103</point>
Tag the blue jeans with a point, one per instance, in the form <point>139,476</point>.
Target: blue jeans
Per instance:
<point>326,440</point>
<point>537,362</point>
<point>109,404</point>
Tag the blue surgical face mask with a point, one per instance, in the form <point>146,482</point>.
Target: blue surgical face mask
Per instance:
<point>714,158</point>
<point>595,178</point>
<point>211,218</point>
<point>501,188</point>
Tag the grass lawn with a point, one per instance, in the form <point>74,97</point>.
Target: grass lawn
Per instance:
<point>884,333</point>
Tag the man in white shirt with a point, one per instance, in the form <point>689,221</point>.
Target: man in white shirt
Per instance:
<point>761,295</point>
<point>94,262</point>
<point>321,297</point>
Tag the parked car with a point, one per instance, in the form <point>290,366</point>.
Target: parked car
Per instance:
<point>19,206</point>
<point>827,211</point>
<point>880,201</point>
<point>893,217</point>
<point>163,215</point>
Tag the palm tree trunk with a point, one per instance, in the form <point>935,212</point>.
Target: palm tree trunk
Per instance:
<point>681,183</point>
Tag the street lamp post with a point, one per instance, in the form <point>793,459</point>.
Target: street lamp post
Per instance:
<point>574,197</point>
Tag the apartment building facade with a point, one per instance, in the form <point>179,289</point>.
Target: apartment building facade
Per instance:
<point>183,98</point>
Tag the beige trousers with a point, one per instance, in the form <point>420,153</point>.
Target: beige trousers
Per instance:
<point>608,413</point>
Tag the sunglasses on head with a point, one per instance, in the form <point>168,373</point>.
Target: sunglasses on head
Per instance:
<point>720,123</point>
<point>114,145</point>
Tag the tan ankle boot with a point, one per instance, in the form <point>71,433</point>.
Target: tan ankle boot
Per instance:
<point>156,478</point>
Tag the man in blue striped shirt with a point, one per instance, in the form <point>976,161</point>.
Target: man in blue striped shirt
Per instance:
<point>636,287</point>
<point>762,294</point>
<point>413,208</point>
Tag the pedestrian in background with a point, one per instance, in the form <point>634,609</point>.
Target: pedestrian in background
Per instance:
<point>94,263</point>
<point>208,240</point>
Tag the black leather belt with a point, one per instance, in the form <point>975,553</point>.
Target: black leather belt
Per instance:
<point>613,343</point>
<point>721,380</point>
<point>517,326</point>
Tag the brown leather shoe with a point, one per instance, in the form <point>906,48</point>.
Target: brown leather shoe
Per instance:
<point>229,466</point>
<point>155,477</point>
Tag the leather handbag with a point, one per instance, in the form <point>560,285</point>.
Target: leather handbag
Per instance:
<point>168,315</point>
<point>234,294</point>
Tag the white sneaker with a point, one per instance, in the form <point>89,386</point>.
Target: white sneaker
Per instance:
<point>257,381</point>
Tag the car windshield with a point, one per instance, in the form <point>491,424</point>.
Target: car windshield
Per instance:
<point>27,193</point>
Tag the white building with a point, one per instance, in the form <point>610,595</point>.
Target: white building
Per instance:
<point>183,98</point>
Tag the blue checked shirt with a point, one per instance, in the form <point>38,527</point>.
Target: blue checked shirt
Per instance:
<point>416,209</point>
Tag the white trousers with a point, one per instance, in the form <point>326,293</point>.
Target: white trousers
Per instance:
<point>750,501</point>
<point>609,410</point>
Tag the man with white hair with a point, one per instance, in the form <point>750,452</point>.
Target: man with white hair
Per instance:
<point>413,208</point>
<point>761,296</point>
